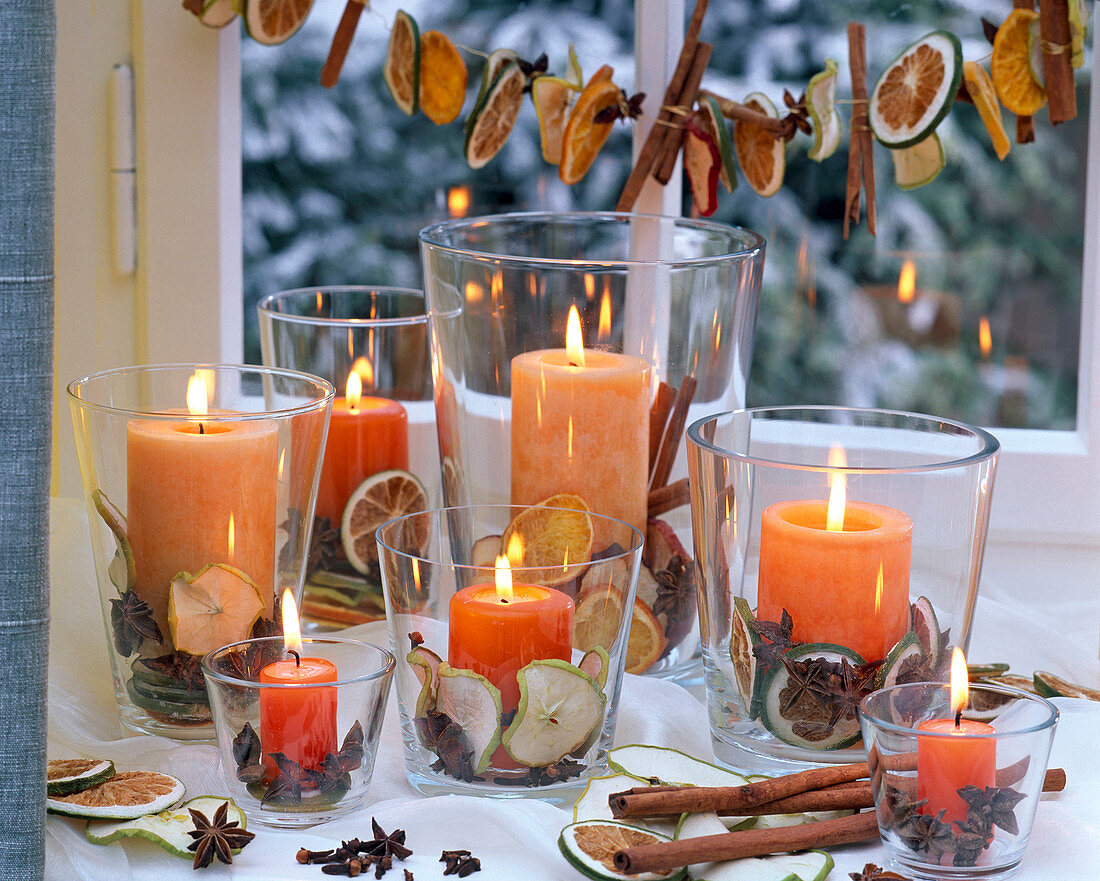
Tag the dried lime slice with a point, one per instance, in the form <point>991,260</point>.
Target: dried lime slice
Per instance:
<point>1078,23</point>
<point>821,104</point>
<point>495,115</point>
<point>168,828</point>
<point>909,646</point>
<point>496,62</point>
<point>742,639</point>
<point>1049,685</point>
<point>715,124</point>
<point>473,702</point>
<point>924,623</point>
<point>916,90</point>
<point>559,706</point>
<point>798,719</point>
<point>590,847</point>
<point>66,776</point>
<point>1035,63</point>
<point>218,13</point>
<point>918,164</point>
<point>573,73</point>
<point>401,70</point>
<point>123,796</point>
<point>671,766</point>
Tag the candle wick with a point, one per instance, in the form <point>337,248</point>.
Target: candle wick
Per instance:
<point>958,717</point>
<point>572,363</point>
<point>297,657</point>
<point>201,430</point>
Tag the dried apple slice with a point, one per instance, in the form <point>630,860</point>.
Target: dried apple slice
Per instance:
<point>122,570</point>
<point>820,102</point>
<point>425,664</point>
<point>169,828</point>
<point>595,663</point>
<point>716,127</point>
<point>702,163</point>
<point>473,702</point>
<point>552,97</point>
<point>559,706</point>
<point>214,608</point>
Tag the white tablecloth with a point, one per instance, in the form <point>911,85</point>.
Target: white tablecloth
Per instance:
<point>514,839</point>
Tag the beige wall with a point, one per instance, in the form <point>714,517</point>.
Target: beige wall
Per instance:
<point>183,301</point>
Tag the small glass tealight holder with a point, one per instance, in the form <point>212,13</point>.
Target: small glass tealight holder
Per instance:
<point>956,797</point>
<point>298,733</point>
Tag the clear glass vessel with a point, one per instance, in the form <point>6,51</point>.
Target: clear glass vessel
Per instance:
<point>665,314</point>
<point>199,481</point>
<point>839,550</point>
<point>511,628</point>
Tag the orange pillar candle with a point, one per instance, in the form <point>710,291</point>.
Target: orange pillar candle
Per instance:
<point>956,753</point>
<point>298,720</point>
<point>199,493</point>
<point>844,579</point>
<point>365,435</point>
<point>496,629</point>
<point>580,424</point>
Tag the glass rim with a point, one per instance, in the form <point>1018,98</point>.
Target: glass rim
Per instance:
<point>1051,719</point>
<point>384,654</point>
<point>326,388</point>
<point>265,303</point>
<point>430,236</point>
<point>989,443</point>
<point>391,524</point>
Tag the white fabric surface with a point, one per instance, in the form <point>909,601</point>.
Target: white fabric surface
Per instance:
<point>515,839</point>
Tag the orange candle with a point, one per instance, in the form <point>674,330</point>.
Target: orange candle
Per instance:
<point>840,568</point>
<point>496,629</point>
<point>365,435</point>
<point>200,495</point>
<point>958,752</point>
<point>298,721</point>
<point>580,424</point>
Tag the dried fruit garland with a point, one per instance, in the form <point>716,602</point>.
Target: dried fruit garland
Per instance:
<point>1034,55</point>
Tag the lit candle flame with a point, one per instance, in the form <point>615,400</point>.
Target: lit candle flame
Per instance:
<point>834,517</point>
<point>960,687</point>
<point>589,287</point>
<point>292,633</point>
<point>458,201</point>
<point>515,549</point>
<point>985,338</point>
<point>474,292</point>
<point>878,590</point>
<point>366,372</point>
<point>354,392</point>
<point>503,578</point>
<point>907,282</point>
<point>231,538</point>
<point>196,395</point>
<point>574,341</point>
<point>603,333</point>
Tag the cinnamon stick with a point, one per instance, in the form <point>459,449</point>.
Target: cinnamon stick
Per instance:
<point>733,110</point>
<point>1025,125</point>
<point>658,419</point>
<point>1057,54</point>
<point>669,497</point>
<point>670,440</point>
<point>674,140</point>
<point>751,843</point>
<point>861,165</point>
<point>660,128</point>
<point>341,41</point>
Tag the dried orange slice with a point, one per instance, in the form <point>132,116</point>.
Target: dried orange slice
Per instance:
<point>916,90</point>
<point>1011,65</point>
<point>379,498</point>
<point>442,78</point>
<point>401,70</point>
<point>762,155</point>
<point>272,21</point>
<point>596,619</point>
<point>647,639</point>
<point>584,137</point>
<point>124,796</point>
<point>556,535</point>
<point>984,96</point>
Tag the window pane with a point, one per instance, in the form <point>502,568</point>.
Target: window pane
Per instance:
<point>338,182</point>
<point>987,240</point>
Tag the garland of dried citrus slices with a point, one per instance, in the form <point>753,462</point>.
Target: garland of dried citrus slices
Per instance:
<point>1032,62</point>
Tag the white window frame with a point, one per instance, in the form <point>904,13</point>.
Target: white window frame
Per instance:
<point>188,285</point>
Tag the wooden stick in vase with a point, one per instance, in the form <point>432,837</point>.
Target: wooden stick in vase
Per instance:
<point>1025,125</point>
<point>1057,47</point>
<point>674,140</point>
<point>341,41</point>
<point>670,440</point>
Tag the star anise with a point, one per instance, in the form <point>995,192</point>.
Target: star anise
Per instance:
<point>351,751</point>
<point>846,687</point>
<point>625,108</point>
<point>798,118</point>
<point>676,589</point>
<point>563,769</point>
<point>901,804</point>
<point>265,627</point>
<point>534,69</point>
<point>181,667</point>
<point>385,844</point>
<point>805,680</point>
<point>324,545</point>
<point>288,782</point>
<point>246,747</point>
<point>995,803</point>
<point>132,622</point>
<point>923,833</point>
<point>331,779</point>
<point>775,638</point>
<point>216,838</point>
<point>871,872</point>
<point>444,737</point>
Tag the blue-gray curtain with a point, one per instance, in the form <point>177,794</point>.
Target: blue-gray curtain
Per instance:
<point>27,51</point>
